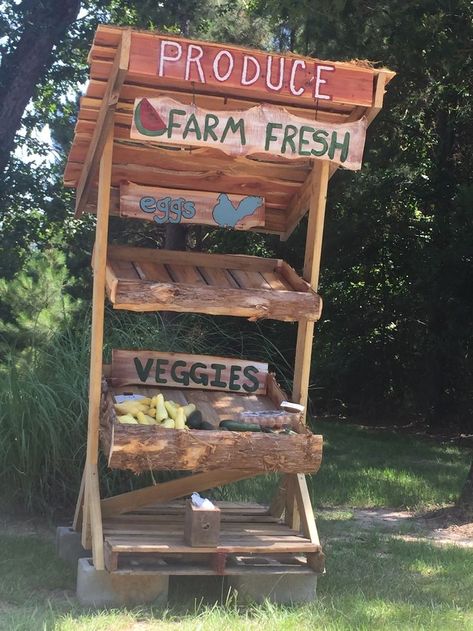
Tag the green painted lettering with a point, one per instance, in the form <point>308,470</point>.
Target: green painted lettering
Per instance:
<point>209,127</point>
<point>192,126</point>
<point>171,123</point>
<point>289,138</point>
<point>142,372</point>
<point>201,378</point>
<point>233,384</point>
<point>269,134</point>
<point>343,146</point>
<point>160,369</point>
<point>184,376</point>
<point>217,381</point>
<point>303,141</point>
<point>251,372</point>
<point>318,138</point>
<point>234,127</point>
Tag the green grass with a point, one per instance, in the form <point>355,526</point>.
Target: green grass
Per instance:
<point>373,581</point>
<point>369,468</point>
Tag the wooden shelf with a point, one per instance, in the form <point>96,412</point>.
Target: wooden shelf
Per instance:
<point>140,448</point>
<point>216,284</point>
<point>152,540</point>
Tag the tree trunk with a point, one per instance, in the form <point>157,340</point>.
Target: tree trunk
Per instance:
<point>465,500</point>
<point>45,24</point>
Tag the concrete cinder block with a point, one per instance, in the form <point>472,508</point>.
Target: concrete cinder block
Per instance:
<point>99,588</point>
<point>68,545</point>
<point>277,588</point>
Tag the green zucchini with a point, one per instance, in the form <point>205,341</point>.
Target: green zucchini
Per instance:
<point>237,426</point>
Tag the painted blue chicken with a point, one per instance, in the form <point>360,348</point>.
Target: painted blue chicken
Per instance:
<point>226,215</point>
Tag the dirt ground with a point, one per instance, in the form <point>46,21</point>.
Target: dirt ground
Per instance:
<point>442,526</point>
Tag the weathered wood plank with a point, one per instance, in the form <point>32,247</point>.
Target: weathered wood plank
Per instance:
<point>219,261</point>
<point>142,448</point>
<point>167,491</point>
<point>261,130</point>
<point>253,304</point>
<point>169,205</point>
<point>104,122</point>
<point>227,69</point>
<point>180,370</point>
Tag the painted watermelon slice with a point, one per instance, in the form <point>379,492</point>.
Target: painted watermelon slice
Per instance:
<point>147,120</point>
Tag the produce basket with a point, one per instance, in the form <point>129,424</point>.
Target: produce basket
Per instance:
<point>227,388</point>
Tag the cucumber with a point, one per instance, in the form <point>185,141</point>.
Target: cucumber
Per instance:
<point>194,420</point>
<point>237,426</point>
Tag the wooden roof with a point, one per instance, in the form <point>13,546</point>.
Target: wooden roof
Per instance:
<point>120,72</point>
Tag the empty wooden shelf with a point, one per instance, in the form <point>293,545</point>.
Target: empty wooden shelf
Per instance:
<point>140,279</point>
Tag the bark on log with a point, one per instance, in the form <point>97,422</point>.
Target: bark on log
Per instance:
<point>153,448</point>
<point>251,303</point>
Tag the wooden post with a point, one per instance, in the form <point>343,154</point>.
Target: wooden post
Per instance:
<point>311,273</point>
<point>305,332</point>
<point>91,512</point>
<point>78,513</point>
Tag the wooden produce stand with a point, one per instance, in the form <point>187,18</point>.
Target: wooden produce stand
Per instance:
<point>178,131</point>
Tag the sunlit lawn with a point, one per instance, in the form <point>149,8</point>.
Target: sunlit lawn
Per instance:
<point>368,468</point>
<point>374,580</point>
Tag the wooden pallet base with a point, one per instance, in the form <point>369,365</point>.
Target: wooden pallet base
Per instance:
<point>251,541</point>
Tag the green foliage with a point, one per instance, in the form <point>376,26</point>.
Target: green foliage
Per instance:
<point>34,303</point>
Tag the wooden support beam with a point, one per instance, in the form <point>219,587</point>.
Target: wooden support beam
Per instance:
<point>313,251</point>
<point>291,512</point>
<point>318,194</point>
<point>299,204</point>
<point>98,300</point>
<point>96,529</point>
<point>78,513</point>
<point>301,491</point>
<point>104,122</point>
<point>91,509</point>
<point>315,560</point>
<point>86,538</point>
<point>171,490</point>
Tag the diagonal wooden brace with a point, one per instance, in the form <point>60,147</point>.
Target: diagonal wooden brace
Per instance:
<point>171,490</point>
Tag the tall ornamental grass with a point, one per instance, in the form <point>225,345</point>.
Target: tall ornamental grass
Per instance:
<point>44,399</point>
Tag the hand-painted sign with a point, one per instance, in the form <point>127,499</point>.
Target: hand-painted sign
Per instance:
<point>264,129</point>
<point>168,205</point>
<point>189,371</point>
<point>255,74</point>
